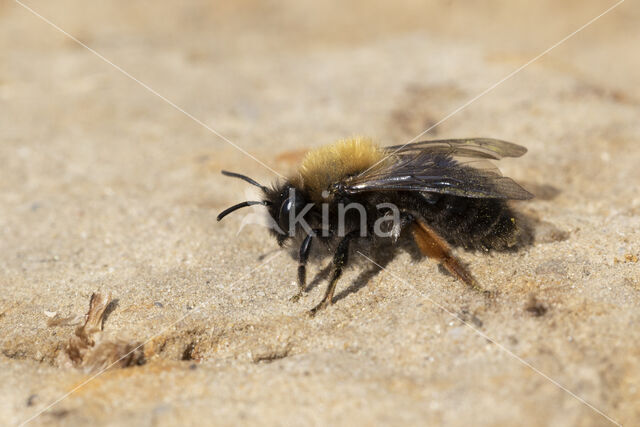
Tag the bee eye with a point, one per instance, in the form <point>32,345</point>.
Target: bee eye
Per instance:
<point>288,210</point>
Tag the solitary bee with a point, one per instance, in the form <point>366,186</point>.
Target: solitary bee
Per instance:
<point>446,191</point>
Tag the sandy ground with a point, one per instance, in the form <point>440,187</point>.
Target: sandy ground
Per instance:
<point>105,187</point>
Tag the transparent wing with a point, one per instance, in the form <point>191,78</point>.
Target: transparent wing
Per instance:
<point>487,148</point>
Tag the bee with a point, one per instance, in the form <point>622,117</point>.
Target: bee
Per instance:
<point>446,192</point>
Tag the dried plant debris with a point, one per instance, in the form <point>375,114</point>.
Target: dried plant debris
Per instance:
<point>54,319</point>
<point>87,350</point>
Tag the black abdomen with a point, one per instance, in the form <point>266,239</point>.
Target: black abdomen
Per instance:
<point>472,223</point>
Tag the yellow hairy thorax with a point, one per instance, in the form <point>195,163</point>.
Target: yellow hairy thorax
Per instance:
<point>327,165</point>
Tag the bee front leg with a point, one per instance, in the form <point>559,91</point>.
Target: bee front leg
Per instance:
<point>305,249</point>
<point>340,259</point>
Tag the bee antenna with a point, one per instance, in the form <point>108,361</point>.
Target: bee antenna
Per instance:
<point>244,178</point>
<point>241,205</point>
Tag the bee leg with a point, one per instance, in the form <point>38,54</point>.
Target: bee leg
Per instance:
<point>434,246</point>
<point>340,259</point>
<point>305,248</point>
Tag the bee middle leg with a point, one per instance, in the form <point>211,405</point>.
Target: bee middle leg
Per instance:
<point>303,257</point>
<point>340,259</point>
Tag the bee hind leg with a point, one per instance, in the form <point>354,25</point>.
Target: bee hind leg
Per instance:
<point>434,246</point>
<point>340,259</point>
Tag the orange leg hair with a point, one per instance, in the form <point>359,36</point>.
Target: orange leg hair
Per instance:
<point>434,246</point>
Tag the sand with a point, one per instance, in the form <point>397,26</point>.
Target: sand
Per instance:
<point>105,187</point>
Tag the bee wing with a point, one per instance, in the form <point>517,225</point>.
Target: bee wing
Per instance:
<point>444,167</point>
<point>484,148</point>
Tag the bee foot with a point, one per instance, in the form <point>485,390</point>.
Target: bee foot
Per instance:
<point>296,297</point>
<point>324,304</point>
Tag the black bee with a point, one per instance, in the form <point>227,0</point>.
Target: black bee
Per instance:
<point>445,190</point>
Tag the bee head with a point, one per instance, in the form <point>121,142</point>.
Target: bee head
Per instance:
<point>285,203</point>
